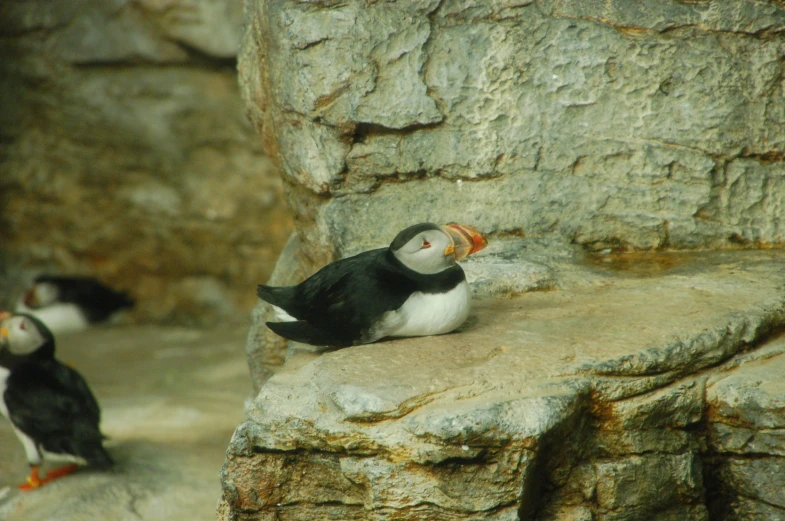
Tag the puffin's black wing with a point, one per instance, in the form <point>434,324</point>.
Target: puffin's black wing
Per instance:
<point>286,298</point>
<point>52,404</point>
<point>340,303</point>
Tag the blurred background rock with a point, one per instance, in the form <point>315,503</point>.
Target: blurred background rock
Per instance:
<point>126,154</point>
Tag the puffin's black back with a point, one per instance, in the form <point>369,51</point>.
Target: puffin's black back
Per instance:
<point>52,404</point>
<point>339,303</point>
<point>97,300</point>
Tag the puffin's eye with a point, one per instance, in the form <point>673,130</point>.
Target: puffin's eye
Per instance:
<point>425,244</point>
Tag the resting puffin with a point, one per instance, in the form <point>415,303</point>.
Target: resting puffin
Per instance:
<point>50,407</point>
<point>412,288</point>
<point>67,304</point>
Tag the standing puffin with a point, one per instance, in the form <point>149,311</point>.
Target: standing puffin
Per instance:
<point>412,288</point>
<point>67,304</point>
<point>49,405</point>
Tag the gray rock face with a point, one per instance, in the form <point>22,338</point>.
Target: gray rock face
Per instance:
<point>636,390</point>
<point>125,153</point>
<point>601,121</point>
<point>611,124</point>
<point>747,438</point>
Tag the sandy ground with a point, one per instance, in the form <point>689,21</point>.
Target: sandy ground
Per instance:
<point>171,398</point>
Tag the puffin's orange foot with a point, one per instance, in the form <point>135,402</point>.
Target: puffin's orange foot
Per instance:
<point>59,473</point>
<point>35,481</point>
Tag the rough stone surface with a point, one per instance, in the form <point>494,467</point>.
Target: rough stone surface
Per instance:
<point>635,388</point>
<point>747,438</point>
<point>170,397</point>
<point>125,153</point>
<point>608,124</point>
<point>665,124</point>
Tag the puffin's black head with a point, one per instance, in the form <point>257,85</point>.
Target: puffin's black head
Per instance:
<point>24,338</point>
<point>428,248</point>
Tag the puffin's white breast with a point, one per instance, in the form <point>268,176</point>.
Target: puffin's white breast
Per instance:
<point>4,373</point>
<point>429,313</point>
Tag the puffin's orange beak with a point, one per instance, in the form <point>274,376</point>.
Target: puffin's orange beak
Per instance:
<point>466,240</point>
<point>4,330</point>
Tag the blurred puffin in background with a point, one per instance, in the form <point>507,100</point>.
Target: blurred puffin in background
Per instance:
<point>49,405</point>
<point>412,288</point>
<point>68,304</point>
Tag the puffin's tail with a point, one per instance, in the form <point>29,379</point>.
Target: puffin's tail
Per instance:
<point>281,296</point>
<point>98,458</point>
<point>90,449</point>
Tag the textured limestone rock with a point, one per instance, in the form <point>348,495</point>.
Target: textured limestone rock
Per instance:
<point>600,121</point>
<point>125,153</point>
<point>747,438</point>
<point>634,390</point>
<point>665,124</point>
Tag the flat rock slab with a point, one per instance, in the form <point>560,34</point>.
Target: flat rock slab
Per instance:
<point>170,398</point>
<point>521,373</point>
<point>629,335</point>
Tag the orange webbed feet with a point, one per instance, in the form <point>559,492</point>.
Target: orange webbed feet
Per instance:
<point>34,481</point>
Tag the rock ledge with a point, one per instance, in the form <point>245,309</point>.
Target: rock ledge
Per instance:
<point>652,392</point>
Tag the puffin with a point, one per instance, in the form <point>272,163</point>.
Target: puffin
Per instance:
<point>412,288</point>
<point>51,409</point>
<point>68,304</point>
